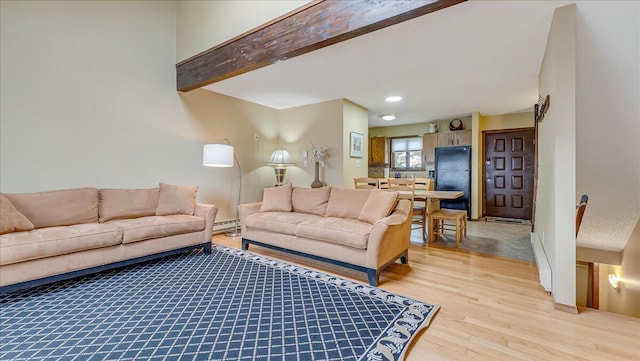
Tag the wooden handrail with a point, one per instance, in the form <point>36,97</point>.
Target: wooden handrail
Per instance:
<point>580,211</point>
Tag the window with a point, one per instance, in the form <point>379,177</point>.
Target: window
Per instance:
<point>406,153</point>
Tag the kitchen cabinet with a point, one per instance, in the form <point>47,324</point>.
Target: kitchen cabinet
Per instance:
<point>456,137</point>
<point>377,150</point>
<point>429,144</point>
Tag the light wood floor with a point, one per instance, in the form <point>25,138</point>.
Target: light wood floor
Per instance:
<point>492,308</point>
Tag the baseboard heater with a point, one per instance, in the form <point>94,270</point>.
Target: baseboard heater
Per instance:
<point>544,268</point>
<point>224,226</point>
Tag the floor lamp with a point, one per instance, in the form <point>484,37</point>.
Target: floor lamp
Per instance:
<point>223,155</point>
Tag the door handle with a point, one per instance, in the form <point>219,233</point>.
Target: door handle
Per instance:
<point>488,161</point>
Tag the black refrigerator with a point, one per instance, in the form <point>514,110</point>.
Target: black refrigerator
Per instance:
<point>453,173</point>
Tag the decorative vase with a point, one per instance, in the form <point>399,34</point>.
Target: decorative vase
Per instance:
<point>317,183</point>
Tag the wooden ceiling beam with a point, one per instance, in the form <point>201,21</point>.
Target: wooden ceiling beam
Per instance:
<point>308,28</point>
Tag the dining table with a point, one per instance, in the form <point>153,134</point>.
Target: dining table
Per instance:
<point>422,195</point>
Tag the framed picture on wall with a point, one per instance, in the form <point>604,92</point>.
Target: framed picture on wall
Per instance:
<point>356,145</point>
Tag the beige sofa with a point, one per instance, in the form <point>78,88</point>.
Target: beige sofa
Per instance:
<point>49,236</point>
<point>363,229</point>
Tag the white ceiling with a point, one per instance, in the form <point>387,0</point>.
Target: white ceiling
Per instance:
<point>478,56</point>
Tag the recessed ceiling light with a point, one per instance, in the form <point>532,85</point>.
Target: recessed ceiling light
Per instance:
<point>388,117</point>
<point>394,98</point>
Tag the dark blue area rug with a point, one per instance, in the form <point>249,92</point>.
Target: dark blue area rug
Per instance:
<point>230,305</point>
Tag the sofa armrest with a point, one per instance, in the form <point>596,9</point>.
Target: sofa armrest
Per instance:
<point>390,236</point>
<point>208,212</point>
<point>245,210</point>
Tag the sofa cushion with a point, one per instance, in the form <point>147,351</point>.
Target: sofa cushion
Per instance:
<point>55,241</point>
<point>176,200</point>
<point>278,222</point>
<point>277,199</point>
<point>10,219</point>
<point>346,203</point>
<point>310,200</point>
<point>58,208</point>
<point>143,228</point>
<point>127,203</point>
<point>347,232</point>
<point>379,204</point>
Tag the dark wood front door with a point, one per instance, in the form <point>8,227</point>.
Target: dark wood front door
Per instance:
<point>508,168</point>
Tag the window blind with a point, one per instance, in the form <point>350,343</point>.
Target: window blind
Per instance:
<point>406,144</point>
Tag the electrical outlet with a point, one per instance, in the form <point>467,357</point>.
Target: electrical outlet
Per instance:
<point>256,136</point>
<point>305,163</point>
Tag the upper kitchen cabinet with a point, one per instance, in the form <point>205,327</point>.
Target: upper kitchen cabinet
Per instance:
<point>377,150</point>
<point>453,138</point>
<point>429,144</point>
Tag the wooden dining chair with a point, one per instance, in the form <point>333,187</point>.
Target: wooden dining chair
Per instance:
<point>383,183</point>
<point>365,183</point>
<point>424,183</point>
<point>403,185</point>
<point>408,186</point>
<point>430,205</point>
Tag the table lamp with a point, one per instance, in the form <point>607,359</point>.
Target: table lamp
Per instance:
<point>280,160</point>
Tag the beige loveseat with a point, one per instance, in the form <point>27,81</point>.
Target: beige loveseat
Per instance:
<point>49,236</point>
<point>363,229</point>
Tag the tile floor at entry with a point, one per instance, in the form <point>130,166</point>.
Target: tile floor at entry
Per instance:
<point>494,238</point>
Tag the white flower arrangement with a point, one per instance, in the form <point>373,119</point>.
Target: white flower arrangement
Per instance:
<point>319,152</point>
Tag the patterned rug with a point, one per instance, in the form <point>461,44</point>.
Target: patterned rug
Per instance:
<point>230,305</point>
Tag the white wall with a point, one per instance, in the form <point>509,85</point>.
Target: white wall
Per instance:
<point>88,99</point>
<point>319,123</point>
<point>205,24</point>
<point>626,298</point>
<point>555,201</point>
<point>355,119</point>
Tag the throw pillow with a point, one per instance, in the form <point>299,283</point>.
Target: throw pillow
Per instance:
<point>127,203</point>
<point>277,199</point>
<point>310,200</point>
<point>379,204</point>
<point>61,207</point>
<point>346,203</point>
<point>11,220</point>
<point>176,200</point>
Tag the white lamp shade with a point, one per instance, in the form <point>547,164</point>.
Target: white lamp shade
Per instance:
<point>217,155</point>
<point>280,158</point>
